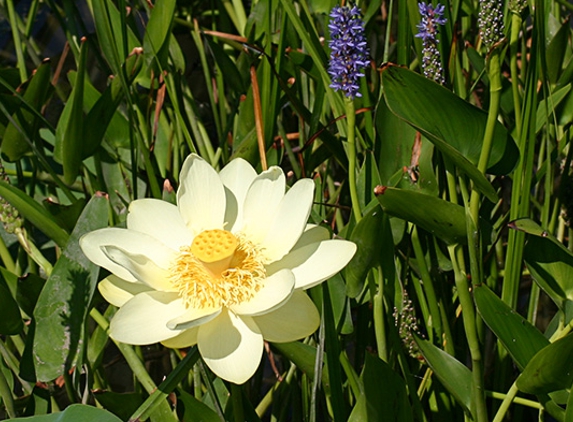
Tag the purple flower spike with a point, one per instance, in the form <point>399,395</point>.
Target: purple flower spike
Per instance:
<point>348,50</point>
<point>428,30</point>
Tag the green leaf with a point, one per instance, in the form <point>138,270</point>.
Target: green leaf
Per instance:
<point>120,404</point>
<point>34,213</point>
<point>108,24</point>
<point>521,339</point>
<point>16,144</point>
<point>63,305</point>
<point>551,266</point>
<point>302,355</point>
<point>441,218</point>
<point>74,413</point>
<point>71,139</point>
<point>429,107</point>
<point>368,236</point>
<point>381,401</point>
<point>547,107</point>
<point>551,369</point>
<point>395,148</point>
<point>156,39</point>
<point>528,226</point>
<point>190,409</point>
<point>557,49</point>
<point>453,374</point>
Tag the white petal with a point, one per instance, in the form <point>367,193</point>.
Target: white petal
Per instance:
<point>201,196</point>
<point>314,263</point>
<point>161,220</point>
<point>193,318</point>
<point>296,319</point>
<point>276,290</point>
<point>289,221</point>
<point>186,339</point>
<point>261,203</point>
<point>231,346</point>
<point>142,267</point>
<point>135,242</point>
<point>118,291</point>
<point>143,319</point>
<point>237,177</point>
<point>312,234</point>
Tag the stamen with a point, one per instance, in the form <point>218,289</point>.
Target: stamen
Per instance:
<point>218,269</point>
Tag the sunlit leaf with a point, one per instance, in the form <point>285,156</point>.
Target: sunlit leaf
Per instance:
<point>551,369</point>
<point>519,337</point>
<point>64,302</point>
<point>453,374</point>
<point>441,218</point>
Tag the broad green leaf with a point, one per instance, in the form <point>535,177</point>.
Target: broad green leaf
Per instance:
<point>368,236</point>
<point>441,218</point>
<point>396,151</point>
<point>10,318</point>
<point>551,266</point>
<point>190,409</point>
<point>381,401</point>
<point>551,369</point>
<point>453,374</point>
<point>14,142</point>
<point>519,337</point>
<point>63,305</point>
<point>74,413</point>
<point>33,212</point>
<point>430,108</point>
<point>156,39</point>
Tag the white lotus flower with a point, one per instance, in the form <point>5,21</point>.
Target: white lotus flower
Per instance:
<point>225,268</point>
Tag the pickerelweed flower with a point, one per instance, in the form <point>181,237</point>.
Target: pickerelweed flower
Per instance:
<point>348,50</point>
<point>428,30</point>
<point>490,22</point>
<point>225,268</point>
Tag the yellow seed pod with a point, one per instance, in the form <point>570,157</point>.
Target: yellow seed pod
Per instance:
<point>214,245</point>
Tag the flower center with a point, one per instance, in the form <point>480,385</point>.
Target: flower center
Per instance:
<point>218,269</point>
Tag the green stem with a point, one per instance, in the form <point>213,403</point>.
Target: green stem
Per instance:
<point>435,317</point>
<point>351,152</point>
<point>507,401</point>
<point>6,257</point>
<point>33,252</point>
<point>513,48</point>
<point>469,319</point>
<point>237,399</point>
<point>494,74</point>
<point>17,42</point>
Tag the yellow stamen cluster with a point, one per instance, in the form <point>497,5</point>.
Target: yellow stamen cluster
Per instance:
<point>218,269</point>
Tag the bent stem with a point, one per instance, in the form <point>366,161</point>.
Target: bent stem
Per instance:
<point>351,152</point>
